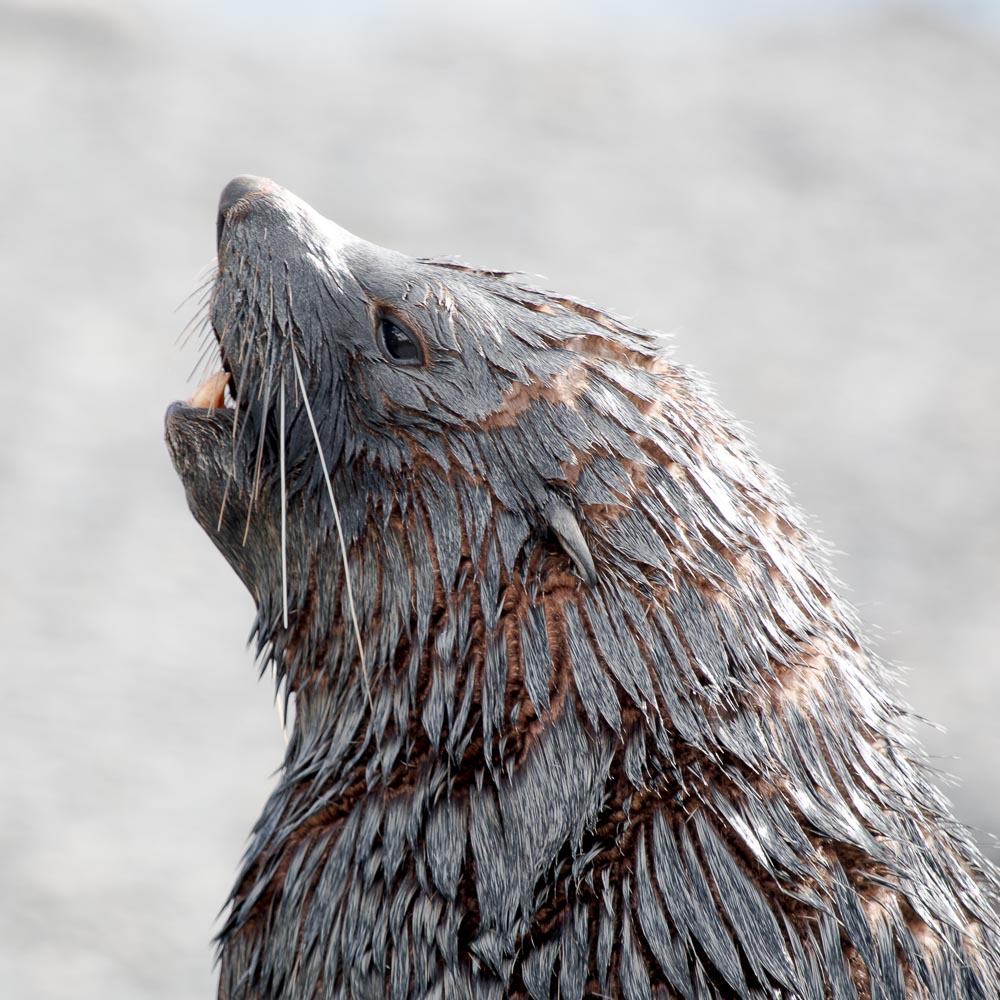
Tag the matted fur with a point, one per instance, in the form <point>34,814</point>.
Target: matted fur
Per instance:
<point>610,731</point>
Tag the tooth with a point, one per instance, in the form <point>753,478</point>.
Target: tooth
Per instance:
<point>210,394</point>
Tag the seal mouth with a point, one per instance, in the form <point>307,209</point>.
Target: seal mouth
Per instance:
<point>218,391</point>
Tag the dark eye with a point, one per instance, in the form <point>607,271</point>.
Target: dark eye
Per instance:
<point>398,343</point>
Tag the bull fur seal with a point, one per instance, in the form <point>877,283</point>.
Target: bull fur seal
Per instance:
<point>579,712</point>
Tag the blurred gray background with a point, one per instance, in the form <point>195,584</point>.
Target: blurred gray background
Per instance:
<point>807,196</point>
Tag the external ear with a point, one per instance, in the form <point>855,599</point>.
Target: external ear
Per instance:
<point>564,526</point>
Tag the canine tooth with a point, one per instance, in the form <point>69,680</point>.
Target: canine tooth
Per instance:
<point>210,394</point>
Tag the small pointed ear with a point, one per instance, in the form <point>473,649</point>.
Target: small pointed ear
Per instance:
<point>564,526</point>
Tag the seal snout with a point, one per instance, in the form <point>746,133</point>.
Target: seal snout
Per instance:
<point>242,188</point>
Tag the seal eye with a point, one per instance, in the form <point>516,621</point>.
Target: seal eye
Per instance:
<point>398,344</point>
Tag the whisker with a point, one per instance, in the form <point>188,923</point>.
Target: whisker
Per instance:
<point>265,396</point>
<point>284,506</point>
<point>200,319</point>
<point>204,363</point>
<point>238,425</point>
<point>222,506</point>
<point>207,279</point>
<point>197,325</point>
<point>340,529</point>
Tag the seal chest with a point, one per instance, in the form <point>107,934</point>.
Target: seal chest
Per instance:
<point>578,710</point>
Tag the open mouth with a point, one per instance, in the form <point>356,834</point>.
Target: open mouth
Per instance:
<point>220,389</point>
<point>212,393</point>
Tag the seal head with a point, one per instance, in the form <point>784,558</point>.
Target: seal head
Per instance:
<point>578,708</point>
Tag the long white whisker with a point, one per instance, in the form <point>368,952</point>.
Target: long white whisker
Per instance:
<point>284,504</point>
<point>336,518</point>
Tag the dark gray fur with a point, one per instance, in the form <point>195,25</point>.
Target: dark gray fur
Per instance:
<point>613,733</point>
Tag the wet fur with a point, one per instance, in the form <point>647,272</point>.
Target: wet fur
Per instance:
<point>679,776</point>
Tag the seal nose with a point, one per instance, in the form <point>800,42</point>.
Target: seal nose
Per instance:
<point>238,189</point>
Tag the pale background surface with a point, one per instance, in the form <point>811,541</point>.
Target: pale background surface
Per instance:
<point>811,206</point>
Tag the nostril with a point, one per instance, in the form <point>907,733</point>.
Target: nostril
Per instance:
<point>237,190</point>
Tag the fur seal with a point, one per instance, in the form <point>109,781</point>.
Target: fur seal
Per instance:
<point>579,711</point>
